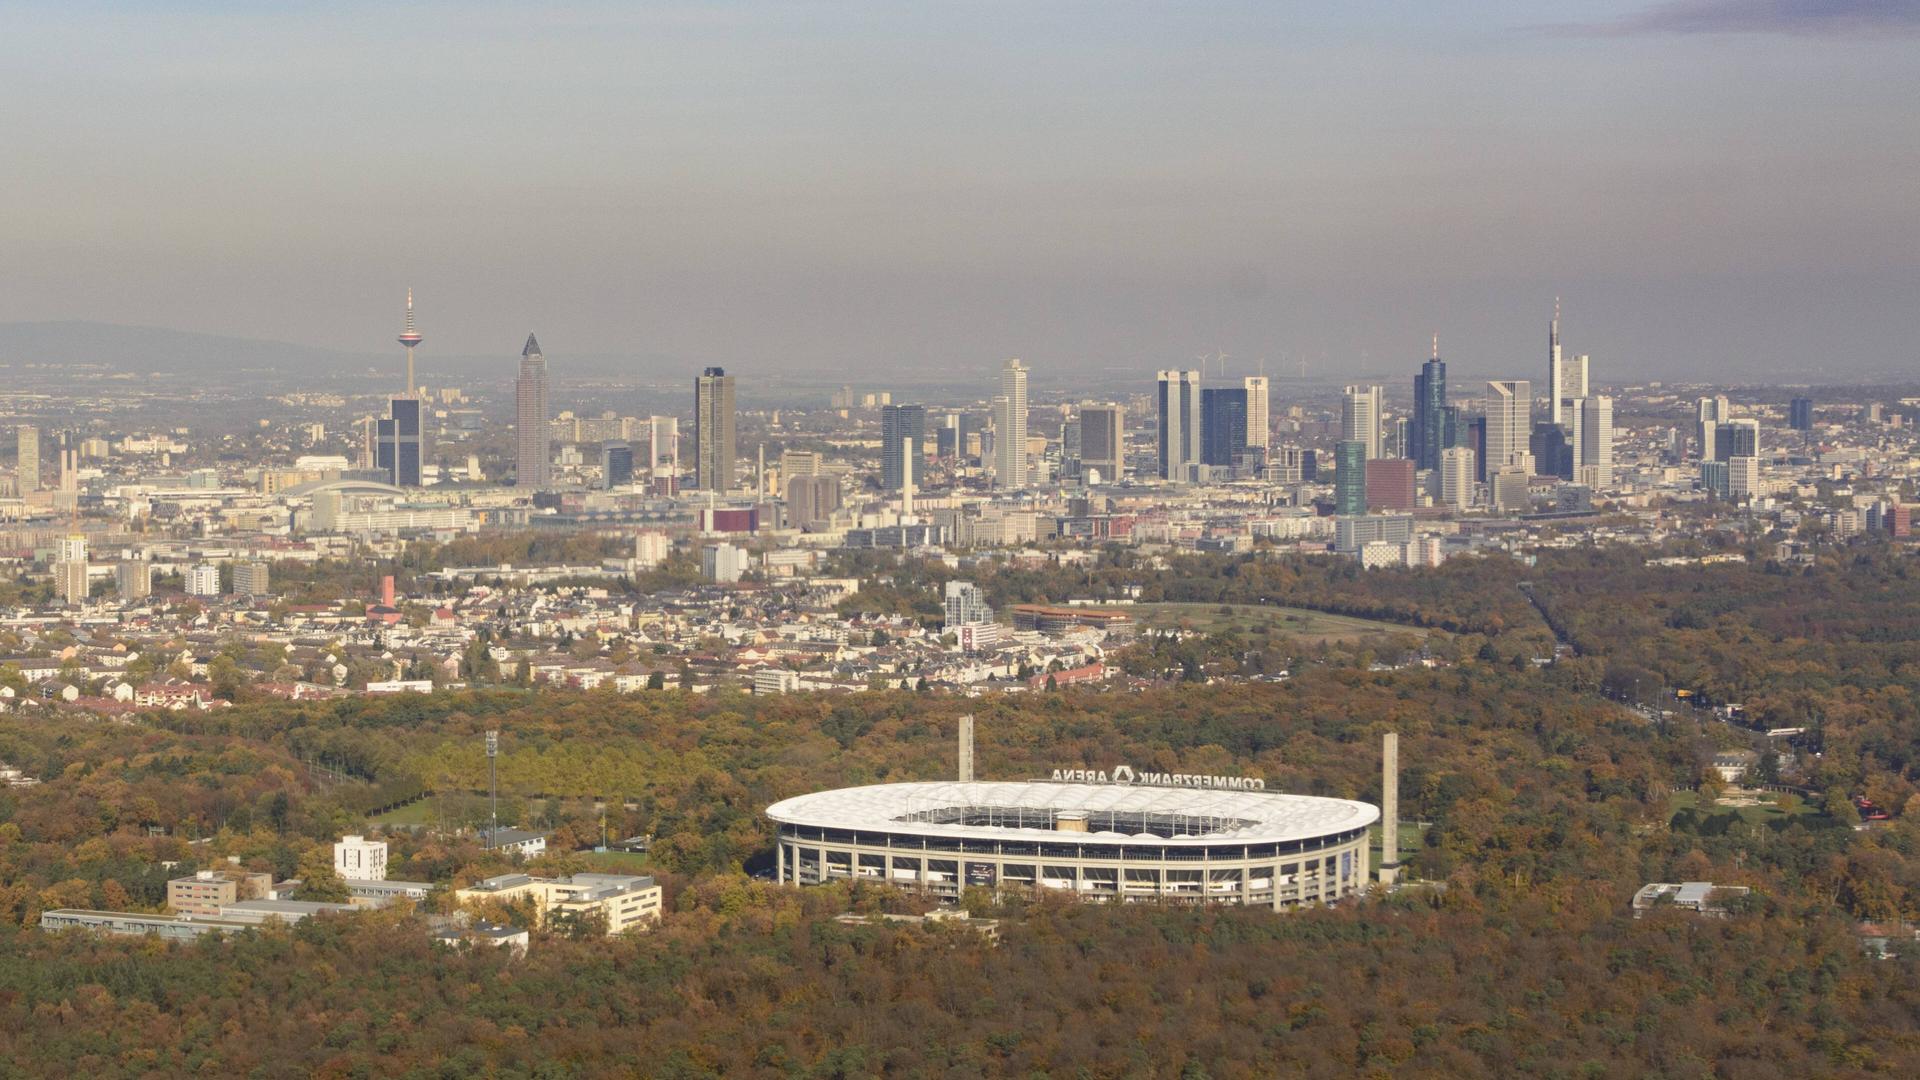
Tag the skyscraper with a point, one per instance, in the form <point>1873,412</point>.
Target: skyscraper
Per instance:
<point>713,430</point>
<point>1259,423</point>
<point>1736,438</point>
<point>1179,403</point>
<point>1596,441</point>
<point>1349,477</point>
<point>663,435</point>
<point>1800,414</point>
<point>27,438</point>
<point>616,463</point>
<point>400,443</point>
<point>1509,424</point>
<point>533,461</point>
<point>1103,440</point>
<point>1427,427</point>
<point>1553,454</point>
<point>1709,414</point>
<point>1456,477</point>
<point>1566,380</point>
<point>1360,418</point>
<point>1223,425</point>
<point>901,426</point>
<point>1010,428</point>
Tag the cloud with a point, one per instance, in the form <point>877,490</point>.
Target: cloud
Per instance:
<point>1799,18</point>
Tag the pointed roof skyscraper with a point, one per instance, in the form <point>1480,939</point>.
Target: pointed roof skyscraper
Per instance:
<point>533,347</point>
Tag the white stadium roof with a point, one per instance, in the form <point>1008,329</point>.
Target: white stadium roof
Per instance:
<point>1256,816</point>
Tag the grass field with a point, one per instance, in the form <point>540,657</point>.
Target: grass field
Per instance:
<point>1293,622</point>
<point>1760,814</point>
<point>618,862</point>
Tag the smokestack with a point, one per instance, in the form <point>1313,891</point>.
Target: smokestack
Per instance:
<point>1389,807</point>
<point>386,591</point>
<point>966,749</point>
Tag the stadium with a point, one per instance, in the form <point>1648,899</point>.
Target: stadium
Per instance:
<point>1100,841</point>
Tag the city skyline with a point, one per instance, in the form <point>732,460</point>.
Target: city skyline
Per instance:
<point>977,210</point>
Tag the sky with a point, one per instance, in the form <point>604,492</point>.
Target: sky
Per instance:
<point>1717,189</point>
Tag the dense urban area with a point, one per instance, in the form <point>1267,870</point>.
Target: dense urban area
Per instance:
<point>356,732</point>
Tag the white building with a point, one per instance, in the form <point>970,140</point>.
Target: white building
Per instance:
<point>1258,422</point>
<point>1456,477</point>
<point>1743,478</point>
<point>1509,425</point>
<point>1010,428</point>
<point>723,562</point>
<point>1360,418</point>
<point>650,549</point>
<point>772,680</point>
<point>966,604</point>
<point>203,580</point>
<point>356,858</point>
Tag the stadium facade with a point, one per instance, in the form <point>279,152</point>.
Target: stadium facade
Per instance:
<point>1132,842</point>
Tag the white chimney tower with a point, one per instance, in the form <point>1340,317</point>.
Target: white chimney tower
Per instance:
<point>966,749</point>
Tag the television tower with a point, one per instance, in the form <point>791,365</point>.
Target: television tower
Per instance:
<point>410,337</point>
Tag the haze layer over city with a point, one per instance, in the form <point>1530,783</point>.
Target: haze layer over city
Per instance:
<point>854,540</point>
<point>1721,187</point>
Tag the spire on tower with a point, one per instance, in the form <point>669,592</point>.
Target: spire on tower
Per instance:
<point>533,347</point>
<point>1436,344</point>
<point>1553,334</point>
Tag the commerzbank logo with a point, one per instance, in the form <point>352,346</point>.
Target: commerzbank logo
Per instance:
<point>1127,774</point>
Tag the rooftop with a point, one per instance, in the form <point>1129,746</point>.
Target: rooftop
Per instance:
<point>1114,813</point>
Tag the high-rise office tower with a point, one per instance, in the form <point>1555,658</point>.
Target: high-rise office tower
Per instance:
<point>1736,438</point>
<point>533,454</point>
<point>27,439</point>
<point>70,570</point>
<point>1477,442</point>
<point>1800,414</point>
<point>713,430</point>
<point>1509,424</point>
<point>1223,425</point>
<point>901,426</point>
<point>1010,428</point>
<point>400,443</point>
<point>1566,378</point>
<point>1179,402</point>
<point>1349,477</point>
<point>616,463</point>
<point>1709,414</point>
<point>1596,441</point>
<point>1553,453</point>
<point>1427,427</point>
<point>1103,441</point>
<point>1390,484</point>
<point>663,435</point>
<point>1259,423</point>
<point>1456,477</point>
<point>1360,418</point>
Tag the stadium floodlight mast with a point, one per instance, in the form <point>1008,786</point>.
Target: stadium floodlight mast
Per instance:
<point>493,789</point>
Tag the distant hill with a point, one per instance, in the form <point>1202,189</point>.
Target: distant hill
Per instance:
<point>149,349</point>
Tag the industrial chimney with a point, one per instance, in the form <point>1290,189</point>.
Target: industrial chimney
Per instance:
<point>966,749</point>
<point>1389,807</point>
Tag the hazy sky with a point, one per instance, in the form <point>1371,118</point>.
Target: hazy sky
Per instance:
<point>1725,187</point>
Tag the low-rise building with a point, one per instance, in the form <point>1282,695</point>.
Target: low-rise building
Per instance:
<point>514,841</point>
<point>208,892</point>
<point>1700,897</point>
<point>625,901</point>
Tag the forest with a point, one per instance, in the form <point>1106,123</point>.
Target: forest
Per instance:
<point>1543,803</point>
